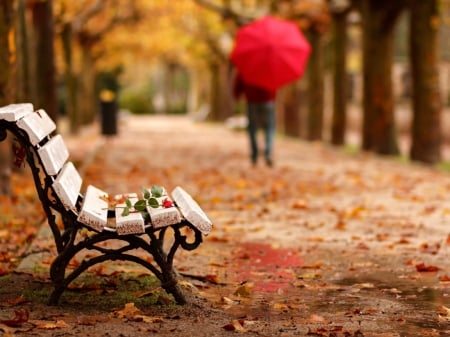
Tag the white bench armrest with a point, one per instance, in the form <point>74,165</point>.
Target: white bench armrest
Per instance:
<point>191,210</point>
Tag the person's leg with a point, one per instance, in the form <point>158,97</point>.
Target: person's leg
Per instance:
<point>252,114</point>
<point>269,128</point>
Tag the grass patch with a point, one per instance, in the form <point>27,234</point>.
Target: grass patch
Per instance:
<point>105,292</point>
<point>444,166</point>
<point>5,279</point>
<point>350,149</point>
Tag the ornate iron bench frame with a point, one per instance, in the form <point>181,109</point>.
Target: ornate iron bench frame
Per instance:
<point>71,239</point>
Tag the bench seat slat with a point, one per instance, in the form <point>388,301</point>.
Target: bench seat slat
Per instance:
<point>54,154</point>
<point>67,185</point>
<point>191,210</point>
<point>161,216</point>
<point>133,223</point>
<point>14,112</point>
<point>94,211</point>
<point>37,125</point>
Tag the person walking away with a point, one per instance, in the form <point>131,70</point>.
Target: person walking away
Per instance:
<point>261,113</point>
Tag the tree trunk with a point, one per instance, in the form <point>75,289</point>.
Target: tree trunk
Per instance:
<point>426,124</point>
<point>379,131</point>
<point>23,61</point>
<point>221,101</point>
<point>291,107</point>
<point>70,79</point>
<point>316,87</point>
<point>87,94</point>
<point>42,14</point>
<point>339,117</point>
<point>6,14</point>
<point>214,92</point>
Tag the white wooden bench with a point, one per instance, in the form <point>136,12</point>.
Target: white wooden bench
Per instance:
<point>59,185</point>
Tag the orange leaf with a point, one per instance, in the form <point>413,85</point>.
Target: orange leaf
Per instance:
<point>444,278</point>
<point>18,300</point>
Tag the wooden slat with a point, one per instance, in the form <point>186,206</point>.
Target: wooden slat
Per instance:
<point>161,216</point>
<point>67,185</point>
<point>54,154</point>
<point>191,210</point>
<point>94,211</point>
<point>14,112</point>
<point>133,223</point>
<point>37,125</point>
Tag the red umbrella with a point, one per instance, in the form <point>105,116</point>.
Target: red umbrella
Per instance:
<point>270,52</point>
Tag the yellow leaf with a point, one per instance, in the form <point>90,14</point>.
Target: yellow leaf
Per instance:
<point>243,291</point>
<point>40,324</point>
<point>443,311</point>
<point>129,311</point>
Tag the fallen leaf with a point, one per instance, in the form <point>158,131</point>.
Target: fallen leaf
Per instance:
<point>18,300</point>
<point>20,316</point>
<point>317,265</point>
<point>243,291</point>
<point>316,318</point>
<point>49,325</point>
<point>317,332</point>
<point>235,325</point>
<point>421,267</point>
<point>129,311</point>
<point>228,301</point>
<point>150,319</point>
<point>444,278</point>
<point>299,204</point>
<point>280,306</point>
<point>443,311</point>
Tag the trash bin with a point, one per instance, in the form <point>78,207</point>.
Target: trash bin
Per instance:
<point>108,113</point>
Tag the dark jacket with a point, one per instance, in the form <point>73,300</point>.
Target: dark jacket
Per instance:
<point>252,93</point>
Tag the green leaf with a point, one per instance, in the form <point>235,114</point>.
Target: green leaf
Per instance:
<point>157,191</point>
<point>140,205</point>
<point>153,202</point>
<point>128,203</point>
<point>146,193</point>
<point>125,211</point>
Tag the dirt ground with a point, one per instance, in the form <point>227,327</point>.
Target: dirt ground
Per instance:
<point>326,243</point>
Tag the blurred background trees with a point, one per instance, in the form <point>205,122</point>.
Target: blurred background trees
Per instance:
<point>376,65</point>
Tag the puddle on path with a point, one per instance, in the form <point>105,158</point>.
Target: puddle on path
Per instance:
<point>283,290</point>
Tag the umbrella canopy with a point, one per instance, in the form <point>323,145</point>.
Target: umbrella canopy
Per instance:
<point>270,52</point>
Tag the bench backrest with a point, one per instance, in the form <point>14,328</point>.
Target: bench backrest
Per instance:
<point>14,112</point>
<point>37,125</point>
<point>52,151</point>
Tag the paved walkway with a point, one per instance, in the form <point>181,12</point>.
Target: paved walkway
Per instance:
<point>341,235</point>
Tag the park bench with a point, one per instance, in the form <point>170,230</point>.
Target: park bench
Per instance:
<point>92,222</point>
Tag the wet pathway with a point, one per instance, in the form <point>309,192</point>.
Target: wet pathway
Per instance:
<point>323,244</point>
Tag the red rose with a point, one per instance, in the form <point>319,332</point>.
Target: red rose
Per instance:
<point>167,203</point>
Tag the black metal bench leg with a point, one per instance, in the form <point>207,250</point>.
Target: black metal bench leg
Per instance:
<point>58,270</point>
<point>171,286</point>
<point>56,294</point>
<point>57,274</point>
